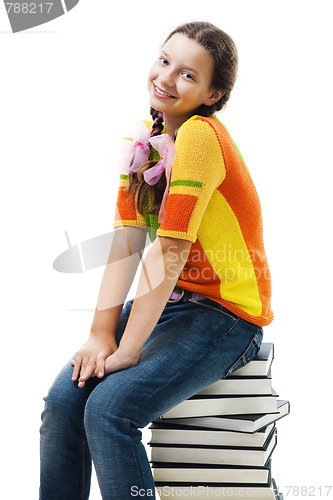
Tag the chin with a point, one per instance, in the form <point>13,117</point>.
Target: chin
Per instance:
<point>158,106</point>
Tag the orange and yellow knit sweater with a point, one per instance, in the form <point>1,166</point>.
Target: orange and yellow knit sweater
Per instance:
<point>213,203</point>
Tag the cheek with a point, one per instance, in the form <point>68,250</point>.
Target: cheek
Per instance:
<point>188,91</point>
<point>196,94</point>
<point>149,80</point>
<point>153,73</point>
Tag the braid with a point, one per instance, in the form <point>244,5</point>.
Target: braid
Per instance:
<point>157,117</point>
<point>137,185</point>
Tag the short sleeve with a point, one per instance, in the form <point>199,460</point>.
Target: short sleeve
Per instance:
<point>197,171</point>
<point>126,213</point>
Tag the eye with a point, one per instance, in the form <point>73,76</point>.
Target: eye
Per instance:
<point>164,61</point>
<point>187,76</point>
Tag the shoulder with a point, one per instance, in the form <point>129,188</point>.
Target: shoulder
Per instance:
<point>200,128</point>
<point>199,131</point>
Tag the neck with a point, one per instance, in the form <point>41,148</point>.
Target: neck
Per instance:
<point>172,124</point>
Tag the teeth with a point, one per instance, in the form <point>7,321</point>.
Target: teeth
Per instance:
<point>162,93</point>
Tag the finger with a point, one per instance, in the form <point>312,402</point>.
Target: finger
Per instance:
<point>86,373</point>
<point>77,367</point>
<point>100,364</point>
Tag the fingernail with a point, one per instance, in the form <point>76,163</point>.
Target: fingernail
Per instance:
<point>81,384</point>
<point>100,374</point>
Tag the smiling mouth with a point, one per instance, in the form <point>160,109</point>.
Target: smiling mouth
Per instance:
<point>161,93</point>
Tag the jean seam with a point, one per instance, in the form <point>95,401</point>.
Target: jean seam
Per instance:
<point>255,340</point>
<point>214,309</point>
<point>135,456</point>
<point>152,396</point>
<point>83,473</point>
<point>138,464</point>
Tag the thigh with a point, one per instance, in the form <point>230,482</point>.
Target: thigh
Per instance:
<point>192,346</point>
<point>65,397</point>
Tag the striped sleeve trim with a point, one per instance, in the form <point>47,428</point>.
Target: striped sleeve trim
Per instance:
<point>181,235</point>
<point>187,182</point>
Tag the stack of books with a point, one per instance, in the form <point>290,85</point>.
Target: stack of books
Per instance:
<point>220,441</point>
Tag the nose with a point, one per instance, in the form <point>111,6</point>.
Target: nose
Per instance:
<point>167,78</point>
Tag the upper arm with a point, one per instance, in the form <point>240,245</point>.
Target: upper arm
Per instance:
<point>127,241</point>
<point>175,249</point>
<point>180,244</point>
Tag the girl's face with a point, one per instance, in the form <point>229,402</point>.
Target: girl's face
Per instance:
<point>180,79</point>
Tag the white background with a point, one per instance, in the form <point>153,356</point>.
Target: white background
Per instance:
<point>68,89</point>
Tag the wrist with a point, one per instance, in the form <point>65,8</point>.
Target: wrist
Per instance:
<point>103,336</point>
<point>121,359</point>
<point>129,350</point>
<point>105,321</point>
<point>101,333</point>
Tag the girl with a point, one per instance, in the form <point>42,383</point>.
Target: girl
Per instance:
<point>203,293</point>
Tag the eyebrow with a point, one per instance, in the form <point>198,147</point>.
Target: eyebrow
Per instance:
<point>192,70</point>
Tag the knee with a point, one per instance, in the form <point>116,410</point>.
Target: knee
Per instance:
<point>56,401</point>
<point>62,402</point>
<point>98,408</point>
<point>55,412</point>
<point>108,413</point>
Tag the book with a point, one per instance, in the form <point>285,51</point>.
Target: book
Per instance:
<point>220,441</point>
<point>203,491</point>
<point>260,365</point>
<point>248,423</point>
<point>187,434</point>
<point>222,455</point>
<point>203,406</point>
<point>191,474</point>
<point>231,385</point>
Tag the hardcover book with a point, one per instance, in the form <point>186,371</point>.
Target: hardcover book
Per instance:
<point>185,474</point>
<point>202,406</point>
<point>186,434</point>
<point>239,423</point>
<point>222,455</point>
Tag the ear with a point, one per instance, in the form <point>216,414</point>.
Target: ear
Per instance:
<point>215,95</point>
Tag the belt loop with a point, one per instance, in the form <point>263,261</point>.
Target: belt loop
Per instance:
<point>176,296</point>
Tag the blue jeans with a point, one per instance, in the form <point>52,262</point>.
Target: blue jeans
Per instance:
<point>193,345</point>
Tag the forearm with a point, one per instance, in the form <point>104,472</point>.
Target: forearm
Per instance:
<point>115,284</point>
<point>162,266</point>
<point>125,256</point>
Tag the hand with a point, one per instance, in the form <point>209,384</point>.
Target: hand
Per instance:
<point>90,358</point>
<point>120,360</point>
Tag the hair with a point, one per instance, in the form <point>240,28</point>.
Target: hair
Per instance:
<point>225,64</point>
